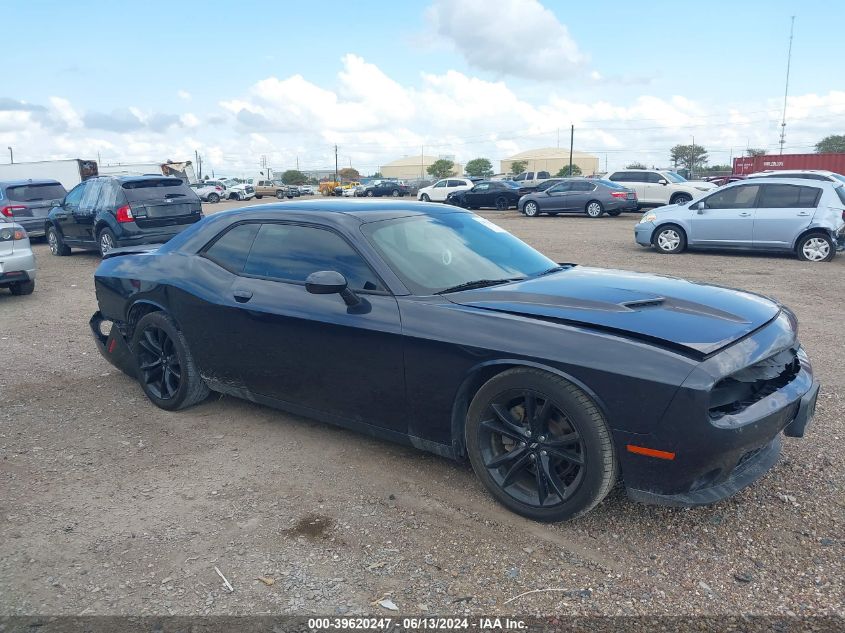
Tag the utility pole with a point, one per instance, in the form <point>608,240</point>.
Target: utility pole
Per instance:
<point>422,161</point>
<point>335,163</point>
<point>571,143</point>
<point>692,159</point>
<point>558,138</point>
<point>11,156</point>
<point>786,89</point>
<point>297,163</point>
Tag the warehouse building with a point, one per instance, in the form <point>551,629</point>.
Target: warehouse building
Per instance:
<point>552,160</point>
<point>414,167</point>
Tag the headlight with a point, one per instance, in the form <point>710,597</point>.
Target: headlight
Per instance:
<point>648,217</point>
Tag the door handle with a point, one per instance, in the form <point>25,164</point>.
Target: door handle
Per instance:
<point>744,214</point>
<point>803,213</point>
<point>242,296</point>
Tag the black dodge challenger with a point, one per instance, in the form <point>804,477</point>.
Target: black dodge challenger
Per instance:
<point>429,325</point>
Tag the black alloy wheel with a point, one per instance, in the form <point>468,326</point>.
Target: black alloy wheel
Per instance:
<point>540,445</point>
<point>165,366</point>
<point>502,203</point>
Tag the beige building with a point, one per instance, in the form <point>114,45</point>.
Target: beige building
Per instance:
<point>414,168</point>
<point>552,160</point>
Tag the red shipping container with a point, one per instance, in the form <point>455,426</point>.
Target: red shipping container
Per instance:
<point>775,162</point>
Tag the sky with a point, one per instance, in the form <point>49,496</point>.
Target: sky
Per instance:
<point>284,82</point>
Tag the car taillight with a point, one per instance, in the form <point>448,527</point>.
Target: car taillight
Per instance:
<point>619,194</point>
<point>219,188</point>
<point>9,211</point>
<point>124,214</point>
<point>7,235</point>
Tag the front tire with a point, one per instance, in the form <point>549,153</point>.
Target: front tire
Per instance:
<point>614,214</point>
<point>165,366</point>
<point>22,288</point>
<point>105,241</point>
<point>815,247</point>
<point>425,198</point>
<point>370,194</point>
<point>531,209</point>
<point>669,239</point>
<point>594,209</point>
<point>681,198</point>
<point>57,245</point>
<point>540,445</point>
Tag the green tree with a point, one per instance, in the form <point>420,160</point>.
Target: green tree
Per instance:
<point>755,151</point>
<point>349,173</point>
<point>636,166</point>
<point>688,156</point>
<point>377,175</point>
<point>294,177</point>
<point>565,171</point>
<point>441,168</point>
<point>479,168</point>
<point>831,144</point>
<point>519,166</point>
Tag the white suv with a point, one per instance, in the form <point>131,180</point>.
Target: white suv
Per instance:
<point>656,187</point>
<point>806,174</point>
<point>442,188</point>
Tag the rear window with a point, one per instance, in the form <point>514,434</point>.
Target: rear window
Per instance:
<point>610,184</point>
<point>232,248</point>
<point>36,192</point>
<point>157,189</point>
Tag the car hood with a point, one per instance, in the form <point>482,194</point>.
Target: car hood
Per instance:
<point>697,317</point>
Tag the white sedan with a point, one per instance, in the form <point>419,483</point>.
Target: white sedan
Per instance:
<point>442,188</point>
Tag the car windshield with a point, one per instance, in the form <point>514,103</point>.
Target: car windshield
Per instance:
<point>511,184</point>
<point>433,253</point>
<point>673,177</point>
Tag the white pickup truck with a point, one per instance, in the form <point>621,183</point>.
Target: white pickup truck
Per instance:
<point>531,178</point>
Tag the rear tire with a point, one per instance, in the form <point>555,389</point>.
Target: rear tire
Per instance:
<point>280,195</point>
<point>815,247</point>
<point>594,209</point>
<point>614,214</point>
<point>22,288</point>
<point>548,462</point>
<point>669,239</point>
<point>501,203</point>
<point>165,366</point>
<point>257,197</point>
<point>213,198</point>
<point>105,241</point>
<point>57,245</point>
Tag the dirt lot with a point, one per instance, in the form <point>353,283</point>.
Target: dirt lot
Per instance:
<point>109,505</point>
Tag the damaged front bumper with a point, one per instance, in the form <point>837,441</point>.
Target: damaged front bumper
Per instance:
<point>113,346</point>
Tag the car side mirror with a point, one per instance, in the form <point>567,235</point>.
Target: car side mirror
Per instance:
<point>662,181</point>
<point>699,206</point>
<point>331,282</point>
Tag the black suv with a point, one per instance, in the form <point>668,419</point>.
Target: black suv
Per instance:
<point>113,211</point>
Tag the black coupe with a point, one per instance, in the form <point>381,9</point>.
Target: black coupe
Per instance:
<point>494,194</point>
<point>431,326</point>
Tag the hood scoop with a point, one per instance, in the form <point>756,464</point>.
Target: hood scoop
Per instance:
<point>644,303</point>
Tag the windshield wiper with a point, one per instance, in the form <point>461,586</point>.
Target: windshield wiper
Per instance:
<point>478,283</point>
<point>555,269</point>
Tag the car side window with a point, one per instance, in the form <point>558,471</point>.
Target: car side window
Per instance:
<point>231,249</point>
<point>440,184</point>
<point>73,198</point>
<point>91,195</point>
<point>619,176</point>
<point>789,197</point>
<point>543,174</point>
<point>456,183</point>
<point>652,177</point>
<point>560,187</point>
<point>741,197</point>
<point>483,187</point>
<point>583,186</point>
<point>289,252</point>
<point>109,195</point>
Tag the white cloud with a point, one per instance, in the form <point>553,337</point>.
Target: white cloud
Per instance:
<point>509,37</point>
<point>184,95</point>
<point>375,118</point>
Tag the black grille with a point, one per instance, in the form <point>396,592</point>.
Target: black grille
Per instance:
<point>752,384</point>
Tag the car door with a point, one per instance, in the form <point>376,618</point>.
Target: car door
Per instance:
<point>654,188</point>
<point>581,193</point>
<point>313,350</point>
<point>724,218</point>
<point>783,212</point>
<point>84,214</point>
<point>476,196</point>
<point>64,215</point>
<point>556,199</point>
<point>439,191</point>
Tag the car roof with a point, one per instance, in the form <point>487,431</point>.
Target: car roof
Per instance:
<point>786,181</point>
<point>29,181</point>
<point>823,172</point>
<point>362,209</point>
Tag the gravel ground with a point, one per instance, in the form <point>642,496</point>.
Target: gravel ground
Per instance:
<point>109,505</point>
